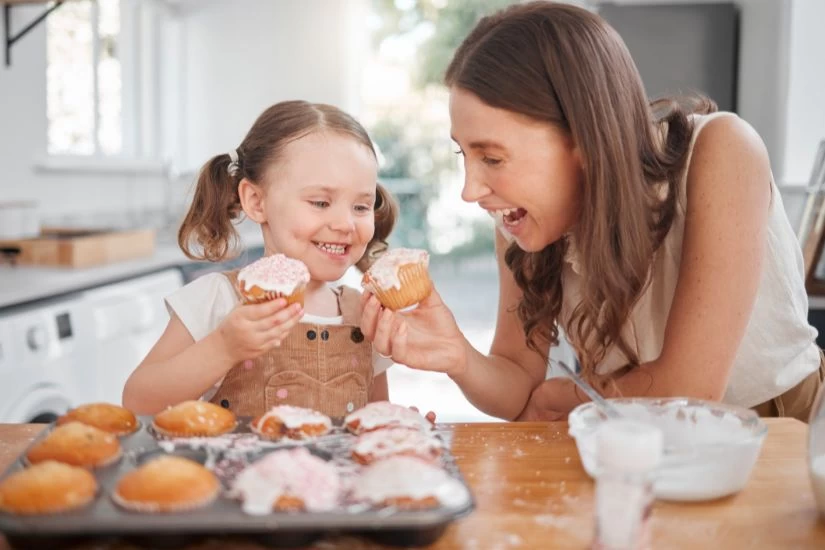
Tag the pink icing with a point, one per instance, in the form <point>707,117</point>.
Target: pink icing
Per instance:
<point>292,473</point>
<point>275,273</point>
<point>294,417</point>
<point>391,441</point>
<point>408,477</point>
<point>383,413</point>
<point>385,269</point>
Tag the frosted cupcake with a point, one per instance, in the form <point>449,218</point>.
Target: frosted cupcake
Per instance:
<point>272,277</point>
<point>399,278</point>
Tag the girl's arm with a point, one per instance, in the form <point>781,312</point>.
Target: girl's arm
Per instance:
<point>177,368</point>
<point>380,390</point>
<point>728,202</point>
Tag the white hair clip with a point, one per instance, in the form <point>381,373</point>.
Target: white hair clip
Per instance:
<point>234,166</point>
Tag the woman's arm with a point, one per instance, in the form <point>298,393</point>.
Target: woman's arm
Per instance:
<point>501,382</point>
<point>728,202</point>
<point>427,338</point>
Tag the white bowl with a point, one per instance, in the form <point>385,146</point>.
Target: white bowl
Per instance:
<point>710,448</point>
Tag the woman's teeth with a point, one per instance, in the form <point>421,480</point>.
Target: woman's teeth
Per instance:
<point>338,249</point>
<point>510,216</point>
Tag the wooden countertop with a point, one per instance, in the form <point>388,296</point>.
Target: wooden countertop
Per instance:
<point>532,493</point>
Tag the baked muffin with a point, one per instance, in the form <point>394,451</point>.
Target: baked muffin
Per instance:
<point>49,487</point>
<point>78,445</point>
<point>194,419</point>
<point>383,414</point>
<point>398,441</point>
<point>272,277</point>
<point>408,483</point>
<point>291,422</point>
<point>166,484</point>
<point>399,278</point>
<point>288,481</point>
<point>103,416</point>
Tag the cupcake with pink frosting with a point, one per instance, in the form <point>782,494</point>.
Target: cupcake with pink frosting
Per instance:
<point>272,277</point>
<point>399,278</point>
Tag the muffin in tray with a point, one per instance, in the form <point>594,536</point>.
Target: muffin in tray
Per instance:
<point>408,483</point>
<point>291,422</point>
<point>194,419</point>
<point>78,445</point>
<point>272,277</point>
<point>48,487</point>
<point>399,278</point>
<point>289,480</point>
<point>166,484</point>
<point>110,418</point>
<point>383,414</point>
<point>397,441</point>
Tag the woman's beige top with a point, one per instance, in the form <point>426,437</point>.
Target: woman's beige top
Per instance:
<point>778,350</point>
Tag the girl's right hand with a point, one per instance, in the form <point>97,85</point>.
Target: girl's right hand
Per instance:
<point>425,338</point>
<point>250,330</point>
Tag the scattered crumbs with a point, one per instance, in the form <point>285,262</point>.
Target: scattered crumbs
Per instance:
<point>538,438</point>
<point>501,449</point>
<point>550,520</point>
<point>513,539</point>
<point>567,460</point>
<point>519,502</point>
<point>518,453</point>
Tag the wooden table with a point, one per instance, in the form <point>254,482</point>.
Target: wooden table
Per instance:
<point>532,493</point>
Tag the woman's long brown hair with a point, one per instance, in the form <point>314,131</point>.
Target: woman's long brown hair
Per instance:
<point>566,66</point>
<point>216,206</point>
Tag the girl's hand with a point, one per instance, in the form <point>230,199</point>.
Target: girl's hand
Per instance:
<point>430,416</point>
<point>250,330</point>
<point>426,338</point>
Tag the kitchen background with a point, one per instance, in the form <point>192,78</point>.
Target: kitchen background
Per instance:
<point>109,107</point>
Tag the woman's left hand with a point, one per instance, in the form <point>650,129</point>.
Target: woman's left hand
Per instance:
<point>552,400</point>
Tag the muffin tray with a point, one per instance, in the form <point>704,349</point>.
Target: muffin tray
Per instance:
<point>226,456</point>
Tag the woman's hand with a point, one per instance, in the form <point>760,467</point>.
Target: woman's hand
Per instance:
<point>250,330</point>
<point>426,338</point>
<point>552,400</point>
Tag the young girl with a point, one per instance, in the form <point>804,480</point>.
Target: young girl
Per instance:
<point>654,236</point>
<point>307,174</point>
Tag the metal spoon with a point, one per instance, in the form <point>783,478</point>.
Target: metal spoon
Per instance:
<point>600,401</point>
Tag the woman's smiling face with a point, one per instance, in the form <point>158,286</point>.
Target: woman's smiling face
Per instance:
<point>524,172</point>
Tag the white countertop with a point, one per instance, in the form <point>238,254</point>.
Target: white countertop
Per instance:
<point>21,284</point>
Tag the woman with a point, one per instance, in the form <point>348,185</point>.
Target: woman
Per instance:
<point>654,235</point>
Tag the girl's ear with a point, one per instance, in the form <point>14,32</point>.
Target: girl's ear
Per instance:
<point>252,200</point>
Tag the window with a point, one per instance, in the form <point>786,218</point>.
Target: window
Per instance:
<point>84,79</point>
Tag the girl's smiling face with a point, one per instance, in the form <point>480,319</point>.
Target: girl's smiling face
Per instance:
<point>524,172</point>
<point>316,204</point>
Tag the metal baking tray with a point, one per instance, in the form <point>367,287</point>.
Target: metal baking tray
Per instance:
<point>103,519</point>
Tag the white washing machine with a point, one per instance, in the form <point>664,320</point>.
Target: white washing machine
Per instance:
<point>79,348</point>
<point>42,348</point>
<point>128,317</point>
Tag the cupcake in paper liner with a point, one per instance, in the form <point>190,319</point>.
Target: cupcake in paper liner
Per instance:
<point>272,277</point>
<point>399,278</point>
<point>48,487</point>
<point>166,484</point>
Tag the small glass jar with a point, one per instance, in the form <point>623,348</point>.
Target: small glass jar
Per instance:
<point>628,453</point>
<point>816,450</point>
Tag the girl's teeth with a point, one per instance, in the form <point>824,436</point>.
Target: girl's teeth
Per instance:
<point>332,248</point>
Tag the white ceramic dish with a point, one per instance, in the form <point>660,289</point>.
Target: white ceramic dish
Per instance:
<point>710,448</point>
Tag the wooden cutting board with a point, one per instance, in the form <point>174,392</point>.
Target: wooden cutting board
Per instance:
<point>79,247</point>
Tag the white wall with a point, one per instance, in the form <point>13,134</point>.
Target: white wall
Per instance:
<point>805,113</point>
<point>238,58</point>
<point>245,55</point>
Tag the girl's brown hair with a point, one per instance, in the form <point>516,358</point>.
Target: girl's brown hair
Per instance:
<point>566,66</point>
<point>215,207</point>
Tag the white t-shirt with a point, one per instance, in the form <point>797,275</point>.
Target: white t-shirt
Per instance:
<point>202,305</point>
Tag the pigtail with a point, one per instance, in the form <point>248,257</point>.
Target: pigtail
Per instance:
<point>386,212</point>
<point>215,205</point>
